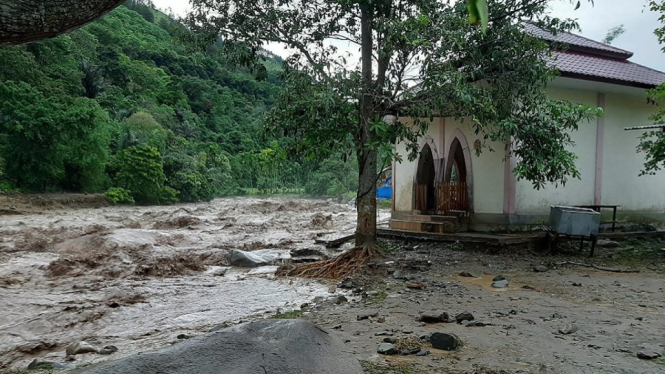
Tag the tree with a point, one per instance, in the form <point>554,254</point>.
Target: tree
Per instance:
<point>613,33</point>
<point>141,171</point>
<point>418,59</point>
<point>24,21</point>
<point>652,143</point>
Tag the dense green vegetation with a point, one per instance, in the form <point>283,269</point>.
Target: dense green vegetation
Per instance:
<point>122,104</point>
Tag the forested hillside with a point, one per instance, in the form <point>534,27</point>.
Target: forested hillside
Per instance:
<point>121,105</point>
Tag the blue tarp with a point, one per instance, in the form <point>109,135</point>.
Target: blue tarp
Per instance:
<point>384,193</point>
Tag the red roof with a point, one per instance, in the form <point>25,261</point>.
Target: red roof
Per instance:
<point>578,57</point>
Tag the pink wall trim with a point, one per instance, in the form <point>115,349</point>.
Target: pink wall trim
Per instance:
<point>509,183</point>
<point>600,138</point>
<point>392,184</point>
<point>442,137</point>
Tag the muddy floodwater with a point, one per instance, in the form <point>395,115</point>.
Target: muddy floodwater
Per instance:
<point>137,277</point>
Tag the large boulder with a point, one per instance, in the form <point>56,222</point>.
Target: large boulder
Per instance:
<point>268,346</point>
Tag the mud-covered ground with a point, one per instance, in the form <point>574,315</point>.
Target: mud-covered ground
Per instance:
<point>138,277</point>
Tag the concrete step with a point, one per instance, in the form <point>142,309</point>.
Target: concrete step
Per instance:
<point>430,218</point>
<point>423,226</point>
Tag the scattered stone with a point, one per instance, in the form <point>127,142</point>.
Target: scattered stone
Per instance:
<point>423,352</point>
<point>110,349</point>
<point>220,272</point>
<point>306,252</point>
<point>500,284</point>
<point>337,327</point>
<point>349,283</point>
<point>78,348</point>
<point>407,331</point>
<point>243,349</point>
<point>416,286</point>
<point>367,316</point>
<point>444,341</point>
<point>341,299</point>
<point>387,349</point>
<point>541,269</point>
<point>575,284</point>
<point>183,336</point>
<point>464,316</point>
<point>475,324</point>
<point>332,288</point>
<point>381,319</point>
<point>556,315</point>
<point>530,288</point>
<point>70,358</point>
<point>441,318</point>
<point>47,365</point>
<point>466,274</point>
<point>568,329</point>
<point>390,340</point>
<point>608,244</point>
<point>114,304</point>
<point>398,274</point>
<point>247,259</point>
<point>647,355</point>
<point>384,333</point>
<point>498,278</point>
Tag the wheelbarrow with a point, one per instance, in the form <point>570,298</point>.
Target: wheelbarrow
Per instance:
<point>572,223</point>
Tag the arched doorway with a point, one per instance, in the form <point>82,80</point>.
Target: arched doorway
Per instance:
<point>425,189</point>
<point>454,193</point>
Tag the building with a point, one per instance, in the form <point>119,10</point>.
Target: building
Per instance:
<point>449,180</point>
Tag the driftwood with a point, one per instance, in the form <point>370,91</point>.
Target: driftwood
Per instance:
<point>597,267</point>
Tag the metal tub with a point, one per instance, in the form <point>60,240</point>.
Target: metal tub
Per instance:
<point>573,221</point>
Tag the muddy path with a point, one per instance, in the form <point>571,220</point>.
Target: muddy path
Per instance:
<point>137,277</point>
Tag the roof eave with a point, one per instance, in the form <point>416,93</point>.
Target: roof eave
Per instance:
<point>595,78</point>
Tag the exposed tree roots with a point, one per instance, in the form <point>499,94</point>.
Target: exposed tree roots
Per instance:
<point>344,265</point>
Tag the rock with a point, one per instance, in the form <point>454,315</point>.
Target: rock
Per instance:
<point>398,274</point>
<point>183,336</point>
<point>540,269</point>
<point>465,274</point>
<point>498,278</point>
<point>220,272</point>
<point>387,349</point>
<point>428,318</point>
<point>527,287</point>
<point>274,346</point>
<point>500,284</point>
<point>423,352</point>
<point>416,286</point>
<point>307,252</point>
<point>464,316</point>
<point>78,348</point>
<point>349,283</point>
<point>608,244</point>
<point>366,316</point>
<point>341,299</point>
<point>568,329</point>
<point>446,342</point>
<point>575,284</point>
<point>47,365</point>
<point>110,349</point>
<point>247,259</point>
<point>648,354</point>
<point>390,340</point>
<point>475,324</point>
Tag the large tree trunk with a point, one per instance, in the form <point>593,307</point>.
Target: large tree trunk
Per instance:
<point>24,21</point>
<point>366,227</point>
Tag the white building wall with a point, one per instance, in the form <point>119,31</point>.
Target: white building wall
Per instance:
<point>621,162</point>
<point>576,191</point>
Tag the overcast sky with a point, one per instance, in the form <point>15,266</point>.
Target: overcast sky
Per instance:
<point>594,20</point>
